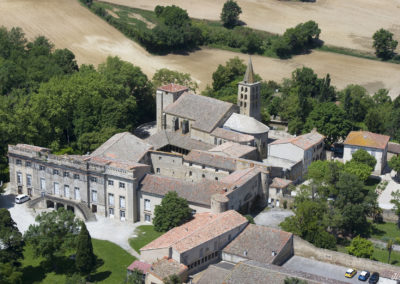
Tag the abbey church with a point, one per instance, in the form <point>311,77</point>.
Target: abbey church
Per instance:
<point>212,153</point>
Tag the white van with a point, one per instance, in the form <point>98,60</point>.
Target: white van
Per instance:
<point>21,198</point>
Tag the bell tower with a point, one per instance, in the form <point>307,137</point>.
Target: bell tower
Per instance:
<point>249,100</point>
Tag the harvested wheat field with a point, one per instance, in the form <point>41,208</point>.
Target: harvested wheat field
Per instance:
<point>69,25</point>
<point>345,23</point>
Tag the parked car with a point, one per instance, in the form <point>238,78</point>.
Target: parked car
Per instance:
<point>350,273</point>
<point>364,275</point>
<point>21,198</point>
<point>374,278</point>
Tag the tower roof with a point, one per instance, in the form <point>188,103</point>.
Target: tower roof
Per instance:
<point>249,75</point>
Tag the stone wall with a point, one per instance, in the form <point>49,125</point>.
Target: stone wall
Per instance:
<point>305,249</point>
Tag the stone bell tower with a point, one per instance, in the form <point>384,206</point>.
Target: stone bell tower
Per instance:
<point>249,100</point>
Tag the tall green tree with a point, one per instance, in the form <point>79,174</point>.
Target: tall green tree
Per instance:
<point>394,164</point>
<point>53,234</point>
<point>172,212</point>
<point>361,247</point>
<point>12,244</point>
<point>172,279</point>
<point>136,277</point>
<point>165,76</point>
<point>230,13</point>
<point>85,260</point>
<point>384,44</point>
<point>363,157</point>
<point>396,203</point>
<point>361,170</point>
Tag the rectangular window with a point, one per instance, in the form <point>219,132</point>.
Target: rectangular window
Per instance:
<point>55,172</point>
<point>110,182</point>
<point>19,162</point>
<point>147,218</point>
<point>121,185</point>
<point>93,179</point>
<point>28,164</point>
<point>42,168</point>
<point>121,202</point>
<point>147,204</point>
<point>66,174</point>
<point>111,199</point>
<point>158,170</point>
<point>56,188</point>
<point>28,180</point>
<point>19,178</point>
<point>66,191</point>
<point>111,212</point>
<point>77,193</point>
<point>42,184</point>
<point>94,196</point>
<point>76,176</point>
<point>122,215</point>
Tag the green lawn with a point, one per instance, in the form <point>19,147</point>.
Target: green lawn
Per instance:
<point>385,231</point>
<point>114,261</point>
<point>380,255</point>
<point>145,234</point>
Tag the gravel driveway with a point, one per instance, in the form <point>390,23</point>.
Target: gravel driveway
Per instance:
<point>273,217</point>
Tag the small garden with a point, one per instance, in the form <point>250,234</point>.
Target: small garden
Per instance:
<point>144,235</point>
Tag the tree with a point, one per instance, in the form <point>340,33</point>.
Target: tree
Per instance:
<point>172,212</point>
<point>12,244</point>
<point>230,13</point>
<point>165,76</point>
<point>172,279</point>
<point>384,44</point>
<point>363,157</point>
<point>394,164</point>
<point>389,247</point>
<point>361,247</point>
<point>10,274</point>
<point>85,259</point>
<point>136,277</point>
<point>294,280</point>
<point>330,120</point>
<point>396,202</point>
<point>362,171</point>
<point>54,233</point>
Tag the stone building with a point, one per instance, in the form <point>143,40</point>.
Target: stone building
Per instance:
<point>375,144</point>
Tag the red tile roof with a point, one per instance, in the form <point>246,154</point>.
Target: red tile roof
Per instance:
<point>212,160</point>
<point>204,227</point>
<point>305,141</point>
<point>367,139</point>
<point>233,150</point>
<point>140,265</point>
<point>172,88</point>
<point>166,267</point>
<point>280,183</point>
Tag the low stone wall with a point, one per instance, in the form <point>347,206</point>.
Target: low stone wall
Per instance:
<point>389,216</point>
<point>305,249</point>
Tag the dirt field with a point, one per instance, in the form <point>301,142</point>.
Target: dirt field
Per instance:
<point>346,23</point>
<point>69,25</point>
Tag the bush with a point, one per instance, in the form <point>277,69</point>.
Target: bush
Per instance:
<point>250,219</point>
<point>284,204</point>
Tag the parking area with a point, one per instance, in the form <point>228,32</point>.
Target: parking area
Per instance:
<point>328,270</point>
<point>273,217</point>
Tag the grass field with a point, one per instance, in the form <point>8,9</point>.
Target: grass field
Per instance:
<point>70,25</point>
<point>385,231</point>
<point>113,270</point>
<point>145,234</point>
<point>380,255</point>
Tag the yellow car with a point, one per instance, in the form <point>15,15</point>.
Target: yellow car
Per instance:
<point>350,273</point>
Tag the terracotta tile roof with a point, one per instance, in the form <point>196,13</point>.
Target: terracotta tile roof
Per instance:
<point>33,148</point>
<point>172,88</point>
<point>280,182</point>
<point>166,267</point>
<point>205,111</point>
<point>194,192</point>
<point>204,227</point>
<point>367,139</point>
<point>210,159</point>
<point>164,138</point>
<point>304,141</point>
<point>258,242</point>
<point>232,135</point>
<point>233,150</point>
<point>123,146</point>
<point>142,266</point>
<point>394,148</point>
<point>240,177</point>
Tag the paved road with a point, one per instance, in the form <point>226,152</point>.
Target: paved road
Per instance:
<point>273,217</point>
<point>103,229</point>
<point>320,268</point>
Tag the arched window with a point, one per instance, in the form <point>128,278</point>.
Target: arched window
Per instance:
<point>245,105</point>
<point>241,95</point>
<point>241,103</point>
<point>242,89</point>
<point>245,97</point>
